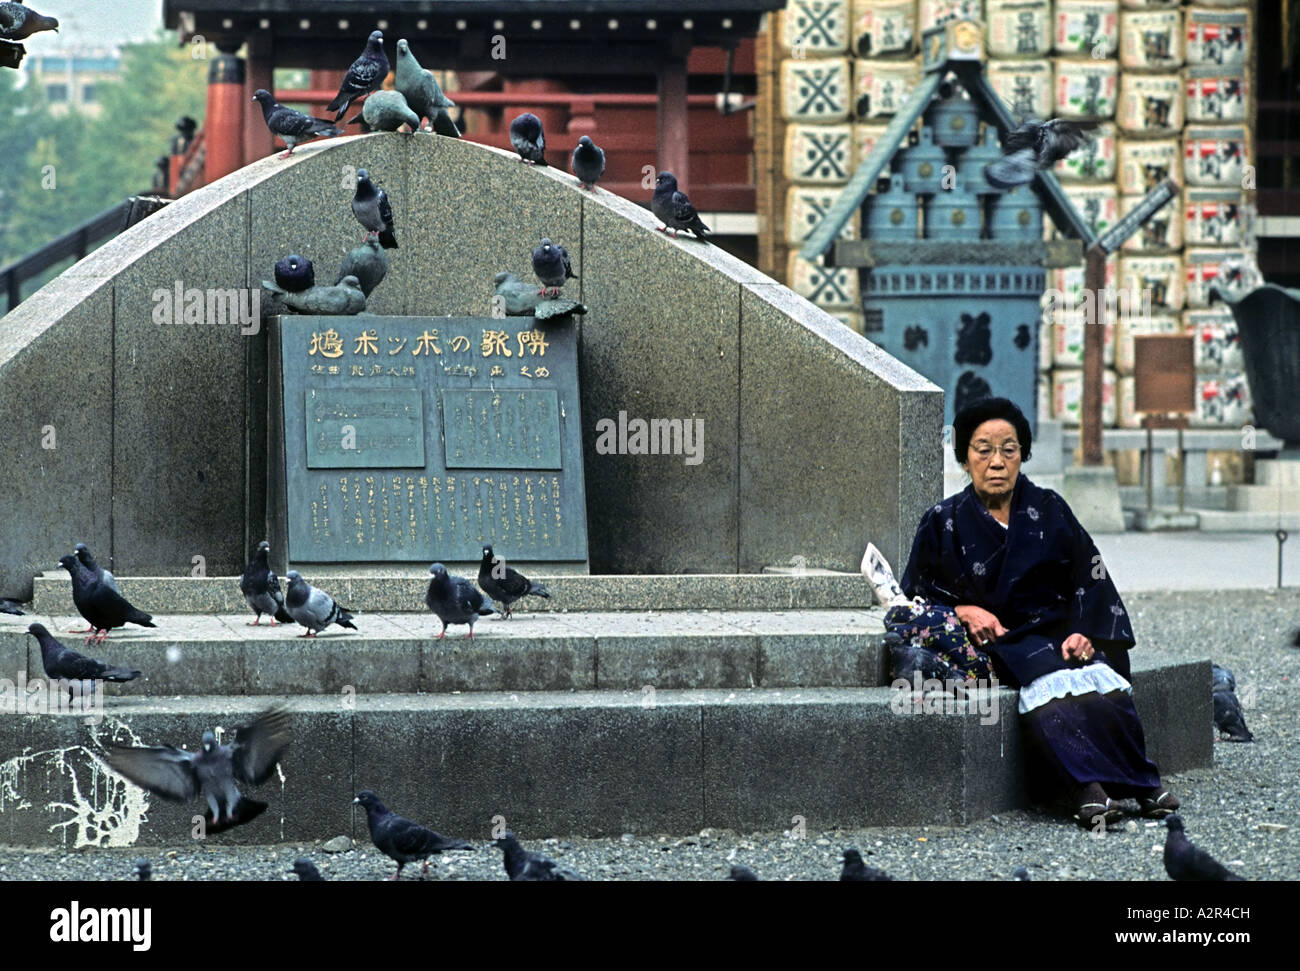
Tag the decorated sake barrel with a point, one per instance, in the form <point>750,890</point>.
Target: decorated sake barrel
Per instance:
<point>1095,161</point>
<point>806,206</point>
<point>953,214</point>
<point>1098,205</point>
<point>829,287</point>
<point>1144,164</point>
<point>1222,400</point>
<point>1066,282</point>
<point>954,120</point>
<point>815,27</point>
<point>865,136</point>
<point>881,87</point>
<point>1213,217</point>
<point>922,164</point>
<point>1016,215</point>
<point>1205,267</point>
<point>1214,155</point>
<point>934,12</point>
<point>1151,40</point>
<point>1162,233</point>
<point>1150,104</point>
<point>819,153</point>
<point>1025,87</point>
<point>1218,346</point>
<point>1088,27</point>
<point>1067,397</point>
<point>1147,4</point>
<point>1158,277</point>
<point>816,89</point>
<point>1217,36</point>
<point>1067,335</point>
<point>1216,94</point>
<point>971,163</point>
<point>884,27</point>
<point>893,214</point>
<point>1019,28</point>
<point>1086,88</point>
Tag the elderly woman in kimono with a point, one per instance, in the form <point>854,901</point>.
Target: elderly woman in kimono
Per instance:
<point>1028,585</point>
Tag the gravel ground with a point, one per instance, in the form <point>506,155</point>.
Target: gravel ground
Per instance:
<point>1233,809</point>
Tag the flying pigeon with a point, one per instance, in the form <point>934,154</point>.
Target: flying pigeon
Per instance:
<point>400,839</point>
<point>314,609</point>
<point>344,298</point>
<point>529,140</point>
<point>674,208</point>
<point>366,74</point>
<point>387,111</point>
<point>261,588</point>
<point>521,865</point>
<point>1184,861</point>
<point>1034,146</point>
<point>742,874</point>
<point>61,663</point>
<point>367,263</point>
<point>587,162</point>
<point>295,274</point>
<point>212,771</point>
<point>306,870</point>
<point>370,206</point>
<point>419,87</point>
<point>855,869</point>
<point>454,600</point>
<point>291,126</point>
<point>1229,718</point>
<point>143,869</point>
<point>552,266</point>
<point>18,22</point>
<point>97,571</point>
<point>503,584</point>
<point>102,606</point>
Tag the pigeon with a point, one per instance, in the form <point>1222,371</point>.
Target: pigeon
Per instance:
<point>1021,874</point>
<point>306,870</point>
<point>1295,637</point>
<point>291,126</point>
<point>185,127</point>
<point>387,111</point>
<point>674,209</point>
<point>143,869</point>
<point>741,873</point>
<point>344,298</point>
<point>443,125</point>
<point>552,266</point>
<point>314,609</point>
<point>1228,717</point>
<point>366,263</point>
<point>1184,861</point>
<point>370,206</point>
<point>529,140</point>
<point>14,607</point>
<point>503,584</point>
<point>905,659</point>
<point>1221,678</point>
<point>18,22</point>
<point>99,573</point>
<point>102,606</point>
<point>1034,146</point>
<point>855,869</point>
<point>587,162</point>
<point>521,865</point>
<point>366,74</point>
<point>419,87</point>
<point>400,839</point>
<point>261,588</point>
<point>212,771</point>
<point>454,599</point>
<point>295,274</point>
<point>61,663</point>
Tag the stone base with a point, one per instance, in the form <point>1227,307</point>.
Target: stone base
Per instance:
<point>1093,494</point>
<point>1159,520</point>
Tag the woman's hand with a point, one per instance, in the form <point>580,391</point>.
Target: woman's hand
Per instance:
<point>1076,647</point>
<point>983,627</point>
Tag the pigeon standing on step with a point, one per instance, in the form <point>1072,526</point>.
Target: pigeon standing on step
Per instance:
<point>18,22</point>
<point>674,209</point>
<point>420,88</point>
<point>97,571</point>
<point>400,839</point>
<point>261,588</point>
<point>552,265</point>
<point>524,866</point>
<point>855,869</point>
<point>62,663</point>
<point>503,584</point>
<point>454,599</point>
<point>1184,861</point>
<point>314,609</point>
<point>528,139</point>
<point>103,607</point>
<point>366,74</point>
<point>371,207</point>
<point>587,162</point>
<point>212,771</point>
<point>291,126</point>
<point>1034,147</point>
<point>306,870</point>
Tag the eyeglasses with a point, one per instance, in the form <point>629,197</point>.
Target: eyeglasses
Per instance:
<point>984,451</point>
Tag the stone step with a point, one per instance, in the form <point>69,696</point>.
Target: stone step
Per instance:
<point>197,654</point>
<point>573,763</point>
<point>1264,498</point>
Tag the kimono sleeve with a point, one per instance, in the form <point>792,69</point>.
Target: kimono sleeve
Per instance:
<point>924,576</point>
<point>1096,610</point>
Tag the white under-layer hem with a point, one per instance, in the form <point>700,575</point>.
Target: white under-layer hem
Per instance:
<point>1097,677</point>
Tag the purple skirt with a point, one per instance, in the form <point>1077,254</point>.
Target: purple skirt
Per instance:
<point>1090,738</point>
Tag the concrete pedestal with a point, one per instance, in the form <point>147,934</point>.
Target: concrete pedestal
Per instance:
<point>1093,493</point>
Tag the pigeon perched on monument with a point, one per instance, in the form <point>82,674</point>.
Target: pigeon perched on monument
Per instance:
<point>292,127</point>
<point>372,208</point>
<point>366,74</point>
<point>528,139</point>
<point>673,208</point>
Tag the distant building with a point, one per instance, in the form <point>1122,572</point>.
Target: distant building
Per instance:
<point>73,77</point>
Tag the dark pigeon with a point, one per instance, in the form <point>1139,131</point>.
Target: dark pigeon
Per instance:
<point>295,274</point>
<point>1229,718</point>
<point>529,140</point>
<point>103,607</point>
<point>1183,861</point>
<point>905,659</point>
<point>15,608</point>
<point>454,599</point>
<point>314,609</point>
<point>306,870</point>
<point>371,207</point>
<point>1221,678</point>
<point>143,869</point>
<point>674,209</point>
<point>742,874</point>
<point>291,126</point>
<point>211,772</point>
<point>552,265</point>
<point>855,869</point>
<point>503,584</point>
<point>97,571</point>
<point>443,124</point>
<point>419,87</point>
<point>261,588</point>
<point>18,22</point>
<point>1295,637</point>
<point>366,74</point>
<point>524,866</point>
<point>1033,147</point>
<point>587,162</point>
<point>400,839</point>
<point>367,263</point>
<point>61,663</point>
<point>1021,874</point>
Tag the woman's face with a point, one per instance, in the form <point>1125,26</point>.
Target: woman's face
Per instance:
<point>992,470</point>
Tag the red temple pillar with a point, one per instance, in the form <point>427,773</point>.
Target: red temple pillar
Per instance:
<point>223,125</point>
<point>674,145</point>
<point>258,140</point>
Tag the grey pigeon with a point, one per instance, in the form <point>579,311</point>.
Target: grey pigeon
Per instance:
<point>314,609</point>
<point>344,298</point>
<point>1184,861</point>
<point>291,126</point>
<point>97,571</point>
<point>552,266</point>
<point>524,866</point>
<point>673,208</point>
<point>261,588</point>
<point>295,273</point>
<point>419,87</point>
<point>587,162</point>
<point>143,869</point>
<point>1221,678</point>
<point>400,839</point>
<point>103,607</point>
<point>503,584</point>
<point>306,870</point>
<point>454,599</point>
<point>371,207</point>
<point>387,111</point>
<point>212,771</point>
<point>1229,719</point>
<point>742,874</point>
<point>1021,874</point>
<point>529,140</point>
<point>12,607</point>
<point>1034,146</point>
<point>905,659</point>
<point>63,664</point>
<point>18,22</point>
<point>522,299</point>
<point>856,870</point>
<point>366,74</point>
<point>367,263</point>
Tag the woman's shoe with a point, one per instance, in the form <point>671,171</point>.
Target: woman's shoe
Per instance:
<point>1159,806</point>
<point>1087,813</point>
